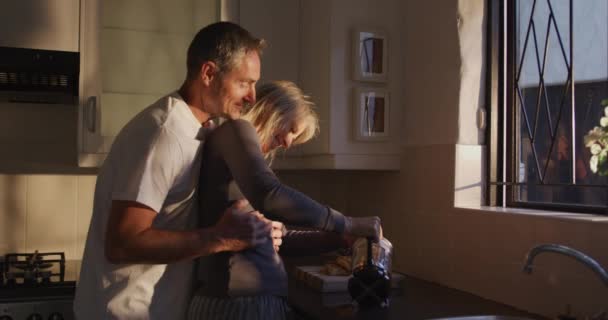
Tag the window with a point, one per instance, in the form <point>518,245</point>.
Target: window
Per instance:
<point>548,75</point>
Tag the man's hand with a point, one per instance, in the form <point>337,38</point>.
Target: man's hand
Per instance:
<point>240,228</point>
<point>363,227</point>
<point>277,232</point>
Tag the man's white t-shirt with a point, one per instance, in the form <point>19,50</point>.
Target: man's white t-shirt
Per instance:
<point>154,161</point>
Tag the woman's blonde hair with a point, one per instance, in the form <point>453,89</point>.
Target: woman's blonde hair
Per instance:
<point>280,105</point>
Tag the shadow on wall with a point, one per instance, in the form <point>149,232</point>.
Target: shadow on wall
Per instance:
<point>38,19</point>
<point>432,68</point>
<point>12,215</point>
<point>469,176</point>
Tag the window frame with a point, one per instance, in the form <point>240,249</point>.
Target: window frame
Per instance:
<point>502,132</point>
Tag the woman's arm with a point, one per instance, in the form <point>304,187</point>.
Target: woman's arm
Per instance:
<point>238,145</point>
<point>312,242</point>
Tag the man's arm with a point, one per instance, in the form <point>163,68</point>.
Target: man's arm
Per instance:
<point>131,238</point>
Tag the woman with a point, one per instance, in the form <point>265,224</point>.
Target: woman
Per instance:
<point>252,284</point>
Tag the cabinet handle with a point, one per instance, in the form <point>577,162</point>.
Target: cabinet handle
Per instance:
<point>481,119</point>
<point>91,114</point>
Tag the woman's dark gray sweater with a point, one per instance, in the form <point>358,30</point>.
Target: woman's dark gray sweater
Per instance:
<point>233,168</point>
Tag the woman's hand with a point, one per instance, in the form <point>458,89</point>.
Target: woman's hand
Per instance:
<point>277,233</point>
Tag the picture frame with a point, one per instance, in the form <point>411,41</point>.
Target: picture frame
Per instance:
<point>370,55</point>
<point>371,116</point>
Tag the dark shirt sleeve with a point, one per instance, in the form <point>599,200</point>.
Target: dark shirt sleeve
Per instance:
<point>310,242</point>
<point>237,143</point>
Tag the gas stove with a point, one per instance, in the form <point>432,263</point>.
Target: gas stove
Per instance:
<point>33,287</point>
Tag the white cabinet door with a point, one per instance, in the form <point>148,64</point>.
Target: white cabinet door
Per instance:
<point>90,143</point>
<point>35,24</point>
<point>134,53</point>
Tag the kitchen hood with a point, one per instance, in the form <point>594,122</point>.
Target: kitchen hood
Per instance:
<point>38,76</point>
<point>39,51</point>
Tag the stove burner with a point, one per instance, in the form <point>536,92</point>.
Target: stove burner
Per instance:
<point>32,269</point>
<point>33,286</point>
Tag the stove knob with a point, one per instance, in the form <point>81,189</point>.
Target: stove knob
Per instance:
<point>55,316</point>
<point>35,316</point>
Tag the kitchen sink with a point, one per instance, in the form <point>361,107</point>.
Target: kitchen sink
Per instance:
<point>487,317</point>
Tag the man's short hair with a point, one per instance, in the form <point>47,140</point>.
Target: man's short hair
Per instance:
<point>223,43</point>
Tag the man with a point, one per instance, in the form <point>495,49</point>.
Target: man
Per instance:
<point>138,257</point>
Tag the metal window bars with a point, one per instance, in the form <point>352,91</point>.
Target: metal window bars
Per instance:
<point>532,128</point>
<point>525,128</point>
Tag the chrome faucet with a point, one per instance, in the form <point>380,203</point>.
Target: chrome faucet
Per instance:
<point>558,248</point>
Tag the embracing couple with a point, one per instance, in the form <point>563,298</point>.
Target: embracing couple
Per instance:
<point>188,217</point>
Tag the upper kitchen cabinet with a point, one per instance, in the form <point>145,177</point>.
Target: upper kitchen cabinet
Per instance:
<point>312,42</point>
<point>45,25</point>
<point>133,52</point>
<point>39,76</point>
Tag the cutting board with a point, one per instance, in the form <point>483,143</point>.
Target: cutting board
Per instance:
<point>312,276</point>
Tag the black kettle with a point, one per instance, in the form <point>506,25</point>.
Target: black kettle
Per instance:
<point>370,284</point>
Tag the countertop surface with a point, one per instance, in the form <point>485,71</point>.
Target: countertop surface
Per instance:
<point>415,299</point>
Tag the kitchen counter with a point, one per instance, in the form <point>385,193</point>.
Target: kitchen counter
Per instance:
<point>416,299</point>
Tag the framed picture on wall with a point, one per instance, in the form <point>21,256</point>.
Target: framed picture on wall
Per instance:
<point>372,108</point>
<point>370,52</point>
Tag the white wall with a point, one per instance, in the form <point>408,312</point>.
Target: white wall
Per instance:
<point>431,72</point>
<point>472,72</point>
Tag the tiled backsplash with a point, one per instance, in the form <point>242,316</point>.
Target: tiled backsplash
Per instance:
<point>45,213</point>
